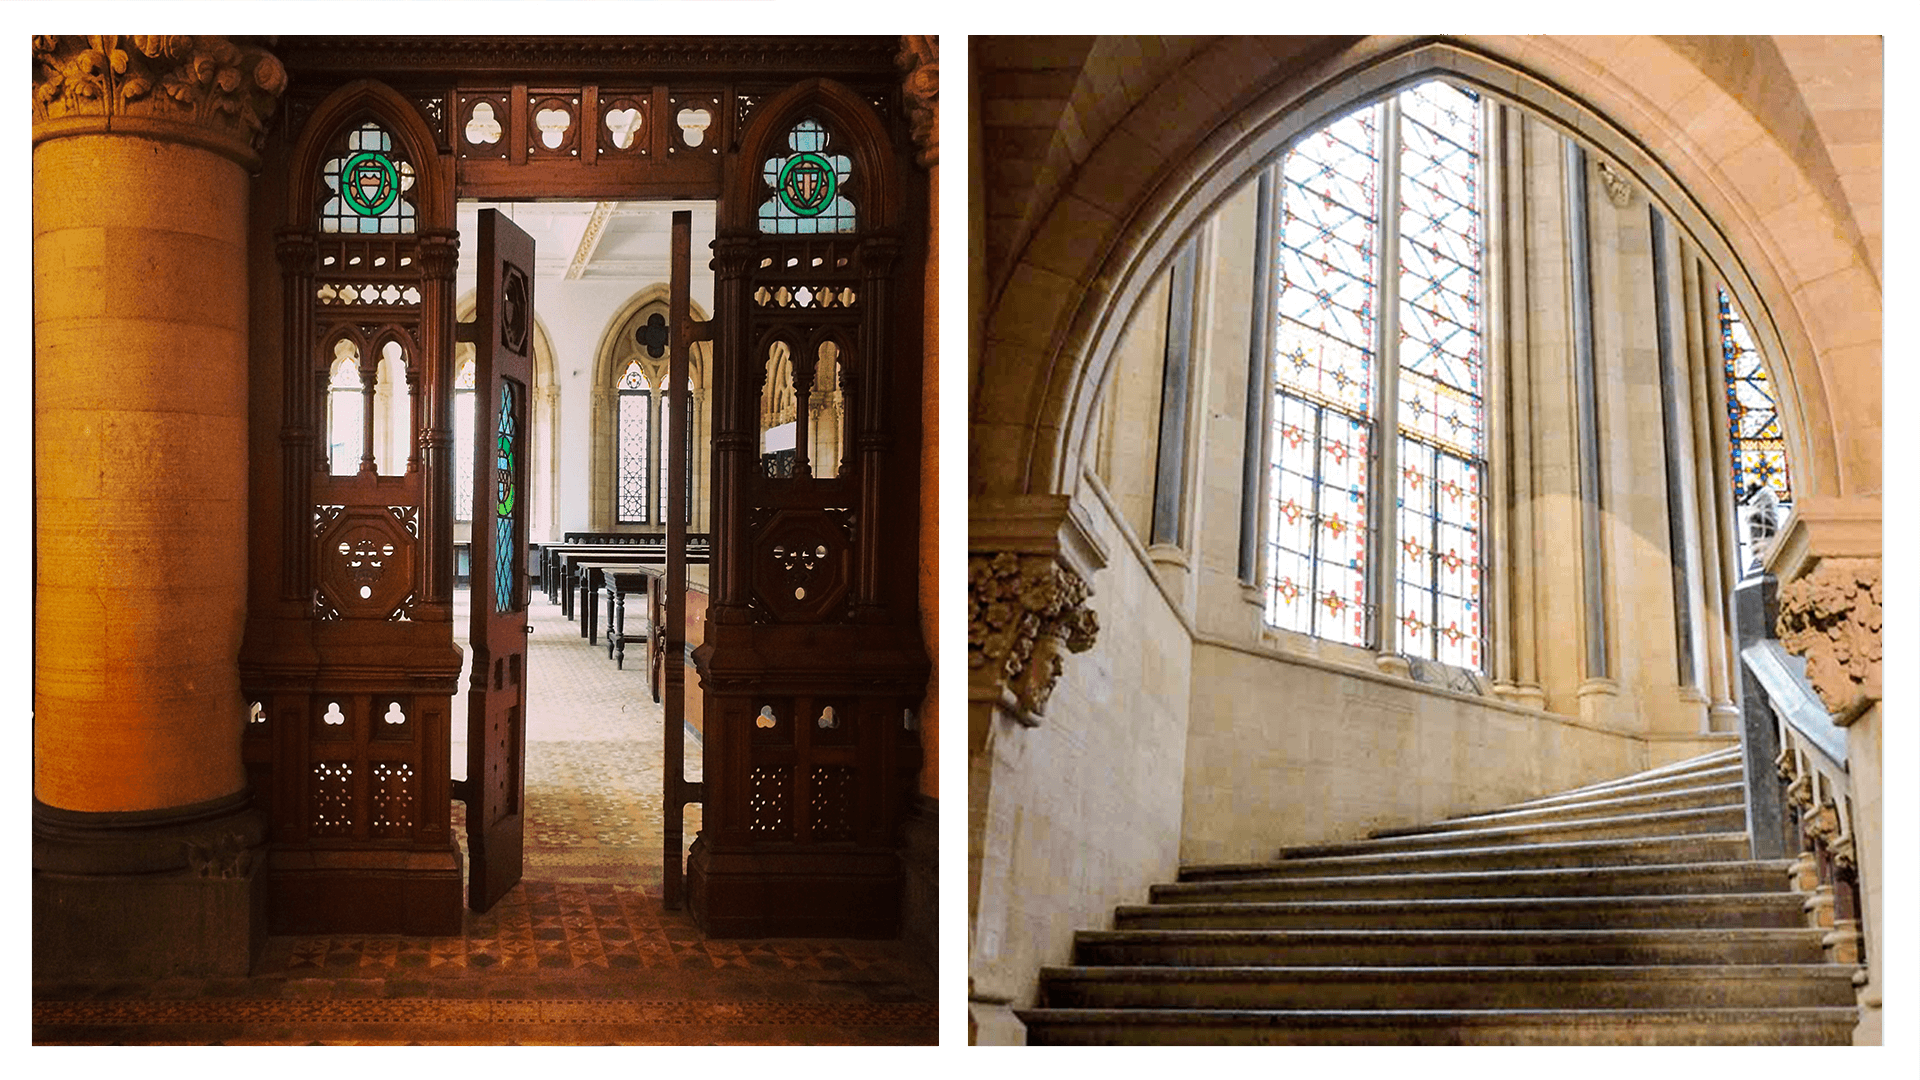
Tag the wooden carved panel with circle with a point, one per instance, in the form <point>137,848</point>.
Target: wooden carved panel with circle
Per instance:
<point>366,563</point>
<point>802,564</point>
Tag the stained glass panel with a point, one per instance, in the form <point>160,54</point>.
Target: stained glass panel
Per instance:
<point>368,186</point>
<point>1326,258</point>
<point>630,492</point>
<point>506,491</point>
<point>1318,525</point>
<point>1753,416</point>
<point>1439,267</point>
<point>1438,572</point>
<point>807,186</point>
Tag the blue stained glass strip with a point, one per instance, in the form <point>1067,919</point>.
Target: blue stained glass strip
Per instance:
<point>506,498</point>
<point>1753,415</point>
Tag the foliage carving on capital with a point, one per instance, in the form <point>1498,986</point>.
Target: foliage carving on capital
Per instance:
<point>919,59</point>
<point>1024,613</point>
<point>1832,618</point>
<point>198,79</point>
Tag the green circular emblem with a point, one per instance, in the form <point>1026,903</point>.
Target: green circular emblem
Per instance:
<point>807,184</point>
<point>369,183</point>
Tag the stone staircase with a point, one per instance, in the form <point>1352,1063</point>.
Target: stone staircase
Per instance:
<point>1627,912</point>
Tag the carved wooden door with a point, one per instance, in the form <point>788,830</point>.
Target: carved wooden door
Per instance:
<point>497,690</point>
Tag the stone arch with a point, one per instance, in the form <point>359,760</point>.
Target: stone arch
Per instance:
<point>1049,330</point>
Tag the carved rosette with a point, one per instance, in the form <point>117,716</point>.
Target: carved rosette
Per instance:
<point>1024,613</point>
<point>1832,617</point>
<point>919,59</point>
<point>198,82</point>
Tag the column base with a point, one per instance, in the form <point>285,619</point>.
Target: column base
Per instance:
<point>793,891</point>
<point>149,894</point>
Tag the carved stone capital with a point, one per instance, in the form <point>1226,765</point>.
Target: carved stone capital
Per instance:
<point>919,59</point>
<point>1024,613</point>
<point>1619,192</point>
<point>1832,617</point>
<point>200,90</point>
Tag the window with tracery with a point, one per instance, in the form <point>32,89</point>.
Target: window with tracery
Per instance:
<point>1420,148</point>
<point>632,448</point>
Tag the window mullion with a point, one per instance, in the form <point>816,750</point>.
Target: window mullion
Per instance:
<point>1384,537</point>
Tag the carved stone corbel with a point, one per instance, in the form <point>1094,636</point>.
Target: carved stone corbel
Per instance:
<point>919,59</point>
<point>1024,613</point>
<point>1832,618</point>
<point>1619,192</point>
<point>199,89</point>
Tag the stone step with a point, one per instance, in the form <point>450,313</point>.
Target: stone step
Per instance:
<point>1687,798</point>
<point>1713,773</point>
<point>1702,847</point>
<point>1447,948</point>
<point>1655,880</point>
<point>1478,913</point>
<point>1626,826</point>
<point>1491,1027</point>
<point>1718,986</point>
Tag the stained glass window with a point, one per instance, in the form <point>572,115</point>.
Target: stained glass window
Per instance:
<point>506,498</point>
<point>1323,394</point>
<point>807,185</point>
<point>1328,327</point>
<point>367,186</point>
<point>666,425</point>
<point>1440,409</point>
<point>631,487</point>
<point>1753,417</point>
<point>463,442</point>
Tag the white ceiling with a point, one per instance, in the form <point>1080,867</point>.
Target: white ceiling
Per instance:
<point>633,245</point>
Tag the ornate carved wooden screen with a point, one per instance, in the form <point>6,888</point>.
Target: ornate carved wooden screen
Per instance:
<point>350,661</point>
<point>812,662</point>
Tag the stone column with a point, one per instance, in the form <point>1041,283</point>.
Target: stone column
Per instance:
<point>919,62</point>
<point>144,842</point>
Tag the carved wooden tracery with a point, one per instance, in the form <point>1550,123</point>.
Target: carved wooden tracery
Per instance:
<point>354,663</point>
<point>810,616</point>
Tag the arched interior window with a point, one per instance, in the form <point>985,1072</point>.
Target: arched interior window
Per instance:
<point>808,185</point>
<point>1419,153</point>
<point>346,411</point>
<point>635,410</point>
<point>392,412</point>
<point>463,441</point>
<point>693,429</point>
<point>367,187</point>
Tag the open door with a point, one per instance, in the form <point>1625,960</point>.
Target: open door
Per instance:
<point>497,690</point>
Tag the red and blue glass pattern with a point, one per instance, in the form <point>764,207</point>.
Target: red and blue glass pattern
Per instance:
<point>1440,255</point>
<point>1438,573</point>
<point>1327,250</point>
<point>1440,356</point>
<point>1753,415</point>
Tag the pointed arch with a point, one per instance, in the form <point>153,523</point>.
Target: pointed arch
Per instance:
<point>611,356</point>
<point>857,132</point>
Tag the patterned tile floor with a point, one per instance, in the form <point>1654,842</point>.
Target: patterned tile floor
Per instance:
<point>581,951</point>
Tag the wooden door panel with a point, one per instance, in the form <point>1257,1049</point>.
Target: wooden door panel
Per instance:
<point>496,697</point>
